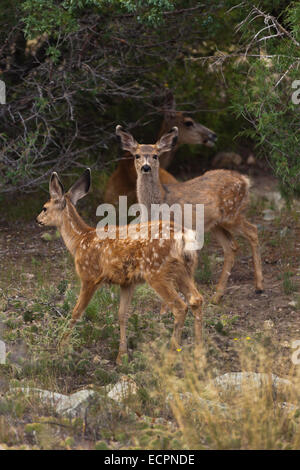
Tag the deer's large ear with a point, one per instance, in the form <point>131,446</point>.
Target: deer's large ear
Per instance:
<point>81,187</point>
<point>169,107</point>
<point>56,188</point>
<point>168,141</point>
<point>127,141</point>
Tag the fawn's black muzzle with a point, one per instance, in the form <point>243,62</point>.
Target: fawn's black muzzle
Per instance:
<point>146,168</point>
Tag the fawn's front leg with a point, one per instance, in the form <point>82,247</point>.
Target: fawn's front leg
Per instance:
<point>86,292</point>
<point>126,293</point>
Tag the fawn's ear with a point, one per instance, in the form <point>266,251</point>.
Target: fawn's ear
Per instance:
<point>56,188</point>
<point>127,141</point>
<point>81,187</point>
<point>168,141</point>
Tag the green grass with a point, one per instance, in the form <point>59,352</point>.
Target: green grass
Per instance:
<point>289,286</point>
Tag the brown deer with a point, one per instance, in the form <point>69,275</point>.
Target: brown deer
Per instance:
<point>166,264</point>
<point>224,194</point>
<point>123,180</point>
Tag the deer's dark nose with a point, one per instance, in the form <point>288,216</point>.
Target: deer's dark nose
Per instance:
<point>146,168</point>
<point>213,137</point>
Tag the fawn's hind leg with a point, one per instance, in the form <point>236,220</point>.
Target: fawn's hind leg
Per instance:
<point>126,293</point>
<point>195,301</point>
<point>229,245</point>
<point>249,231</point>
<point>170,297</point>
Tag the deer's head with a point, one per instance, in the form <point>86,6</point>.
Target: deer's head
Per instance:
<point>189,131</point>
<point>146,157</point>
<point>53,210</point>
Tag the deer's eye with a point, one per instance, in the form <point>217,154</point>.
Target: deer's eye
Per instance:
<point>155,157</point>
<point>137,156</point>
<point>188,123</point>
<point>44,209</point>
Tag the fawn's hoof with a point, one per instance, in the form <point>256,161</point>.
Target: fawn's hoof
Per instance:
<point>163,310</point>
<point>259,291</point>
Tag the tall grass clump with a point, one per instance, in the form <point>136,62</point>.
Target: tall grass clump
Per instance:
<point>252,410</point>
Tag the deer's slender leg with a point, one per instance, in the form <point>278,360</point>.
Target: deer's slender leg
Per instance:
<point>126,293</point>
<point>229,246</point>
<point>163,309</point>
<point>170,297</point>
<point>86,292</point>
<point>249,231</point>
<point>195,301</point>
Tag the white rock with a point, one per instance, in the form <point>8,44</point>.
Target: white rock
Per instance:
<point>190,398</point>
<point>65,405</point>
<point>123,389</point>
<point>2,352</point>
<point>235,381</point>
<point>268,215</point>
<point>275,198</point>
<point>268,324</point>
<point>75,404</point>
<point>283,232</point>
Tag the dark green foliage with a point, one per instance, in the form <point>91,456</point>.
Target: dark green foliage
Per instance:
<point>94,63</point>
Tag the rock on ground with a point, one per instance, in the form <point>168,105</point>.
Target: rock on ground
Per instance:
<point>71,406</point>
<point>235,381</point>
<point>2,352</point>
<point>122,389</point>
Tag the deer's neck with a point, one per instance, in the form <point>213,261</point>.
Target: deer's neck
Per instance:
<point>72,228</point>
<point>149,189</point>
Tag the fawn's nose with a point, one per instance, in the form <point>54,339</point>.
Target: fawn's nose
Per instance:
<point>213,137</point>
<point>146,168</point>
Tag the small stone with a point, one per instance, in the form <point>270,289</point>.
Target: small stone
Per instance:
<point>2,352</point>
<point>292,303</point>
<point>285,344</point>
<point>96,359</point>
<point>28,275</point>
<point>268,324</point>
<point>283,232</point>
<point>268,215</point>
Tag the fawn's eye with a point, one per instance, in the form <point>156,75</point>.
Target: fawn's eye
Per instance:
<point>188,123</point>
<point>155,157</point>
<point>44,209</point>
<point>137,156</point>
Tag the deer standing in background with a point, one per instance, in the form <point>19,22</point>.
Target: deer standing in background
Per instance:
<point>224,194</point>
<point>167,265</point>
<point>123,180</point>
